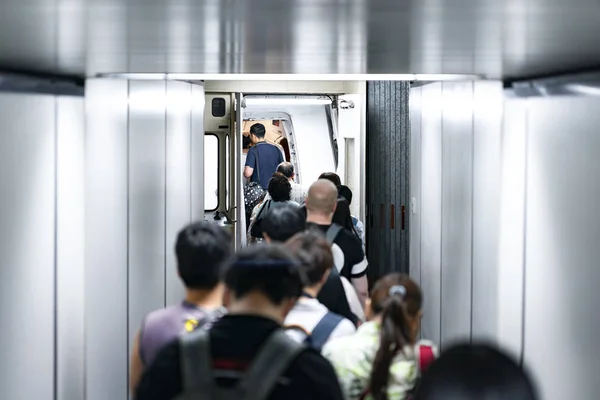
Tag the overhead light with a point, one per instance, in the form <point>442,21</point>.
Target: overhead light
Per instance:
<point>293,77</point>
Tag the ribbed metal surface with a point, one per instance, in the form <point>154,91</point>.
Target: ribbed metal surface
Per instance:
<point>388,169</point>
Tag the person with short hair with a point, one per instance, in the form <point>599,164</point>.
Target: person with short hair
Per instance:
<point>350,259</point>
<point>263,282</point>
<point>262,158</point>
<point>201,249</point>
<point>345,192</point>
<point>282,223</point>
<point>331,177</point>
<point>316,323</point>
<point>298,192</point>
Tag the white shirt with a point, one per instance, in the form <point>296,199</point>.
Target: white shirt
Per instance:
<point>308,312</point>
<point>353,300</point>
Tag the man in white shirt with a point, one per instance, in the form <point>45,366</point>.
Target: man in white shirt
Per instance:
<point>309,319</point>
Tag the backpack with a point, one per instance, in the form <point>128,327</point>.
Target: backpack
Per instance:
<point>257,383</point>
<point>256,230</point>
<point>321,332</point>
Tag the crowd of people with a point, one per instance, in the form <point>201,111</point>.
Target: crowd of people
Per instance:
<point>290,316</point>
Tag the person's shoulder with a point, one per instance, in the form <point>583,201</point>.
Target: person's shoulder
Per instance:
<point>311,362</point>
<point>344,328</point>
<point>349,242</point>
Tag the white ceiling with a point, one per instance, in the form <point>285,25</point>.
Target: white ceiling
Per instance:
<point>495,38</point>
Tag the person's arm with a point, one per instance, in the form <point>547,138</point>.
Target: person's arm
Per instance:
<point>250,164</point>
<point>359,273</point>
<point>162,379</point>
<point>137,365</point>
<point>361,285</point>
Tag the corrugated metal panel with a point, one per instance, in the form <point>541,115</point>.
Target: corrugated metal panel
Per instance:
<point>388,157</point>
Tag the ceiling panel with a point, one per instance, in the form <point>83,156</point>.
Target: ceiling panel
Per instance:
<point>509,38</point>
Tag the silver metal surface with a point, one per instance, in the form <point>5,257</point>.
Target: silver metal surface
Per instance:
<point>457,196</point>
<point>563,227</point>
<point>70,247</point>
<point>491,37</point>
<point>147,191</point>
<point>107,264</point>
<point>27,246</point>
<point>414,209</point>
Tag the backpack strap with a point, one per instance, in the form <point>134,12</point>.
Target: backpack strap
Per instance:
<point>196,369</point>
<point>332,233</point>
<point>273,359</point>
<point>426,357</point>
<point>324,329</point>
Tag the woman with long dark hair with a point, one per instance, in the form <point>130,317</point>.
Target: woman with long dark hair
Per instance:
<point>383,360</point>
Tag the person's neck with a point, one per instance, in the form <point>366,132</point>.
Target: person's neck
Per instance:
<point>209,299</point>
<point>313,290</point>
<point>256,305</point>
<point>318,218</point>
<point>260,141</point>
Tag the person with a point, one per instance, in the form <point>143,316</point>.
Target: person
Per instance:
<point>262,158</point>
<point>314,321</point>
<point>262,283</point>
<point>279,195</point>
<point>388,340</point>
<point>201,248</point>
<point>279,225</point>
<point>345,192</point>
<point>246,144</point>
<point>332,177</point>
<point>342,216</point>
<point>475,371</point>
<point>349,257</point>
<point>298,192</point>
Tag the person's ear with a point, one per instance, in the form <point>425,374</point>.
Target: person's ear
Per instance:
<point>227,297</point>
<point>266,237</point>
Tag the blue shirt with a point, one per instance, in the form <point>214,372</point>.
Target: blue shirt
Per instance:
<point>269,158</point>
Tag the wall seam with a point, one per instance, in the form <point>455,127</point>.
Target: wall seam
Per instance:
<point>55,283</point>
<point>472,200</point>
<point>524,261</point>
<point>166,198</point>
<point>191,137</point>
<point>127,313</point>
<point>441,205</point>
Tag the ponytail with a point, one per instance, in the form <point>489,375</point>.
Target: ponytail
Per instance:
<point>394,335</point>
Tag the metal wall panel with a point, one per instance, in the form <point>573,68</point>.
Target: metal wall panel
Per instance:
<point>457,196</point>
<point>197,152</point>
<point>414,209</point>
<point>106,255</point>
<point>509,295</point>
<point>147,194</point>
<point>562,231</point>
<point>487,145</point>
<point>27,246</point>
<point>431,209</point>
<point>178,178</point>
<point>388,166</point>
<point>70,247</point>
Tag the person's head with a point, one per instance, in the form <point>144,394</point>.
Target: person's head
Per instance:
<point>396,302</point>
<point>257,133</point>
<point>263,279</point>
<point>246,142</point>
<point>279,187</point>
<point>342,215</point>
<point>315,256</point>
<point>473,372</point>
<point>287,169</point>
<point>201,249</point>
<point>281,223</point>
<point>332,177</point>
<point>345,192</point>
<point>321,199</point>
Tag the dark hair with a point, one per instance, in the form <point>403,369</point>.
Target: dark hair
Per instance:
<point>332,177</point>
<point>342,216</point>
<point>345,192</point>
<point>477,371</point>
<point>286,168</point>
<point>201,249</point>
<point>246,142</point>
<point>314,253</point>
<point>265,268</point>
<point>258,130</point>
<point>397,298</point>
<point>279,187</point>
<point>283,222</point>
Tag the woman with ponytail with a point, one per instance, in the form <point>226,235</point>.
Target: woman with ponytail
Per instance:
<point>383,360</point>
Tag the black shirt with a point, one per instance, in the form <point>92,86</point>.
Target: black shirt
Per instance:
<point>354,262</point>
<point>333,296</point>
<point>238,337</point>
